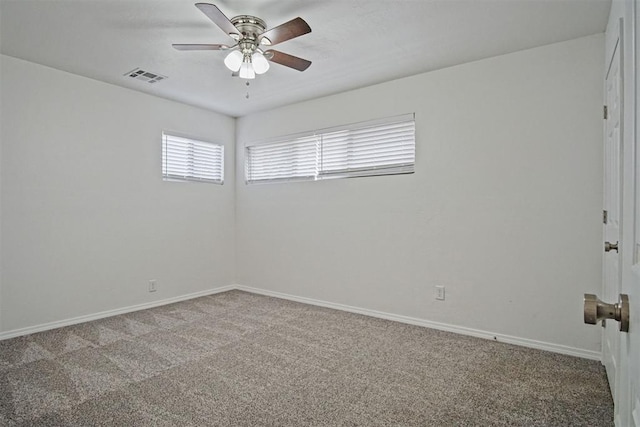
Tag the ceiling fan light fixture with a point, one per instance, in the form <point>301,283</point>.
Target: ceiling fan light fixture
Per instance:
<point>245,57</point>
<point>233,61</point>
<point>247,71</point>
<point>260,63</point>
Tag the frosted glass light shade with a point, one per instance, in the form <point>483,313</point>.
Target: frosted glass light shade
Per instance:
<point>246,71</point>
<point>233,61</point>
<point>260,63</point>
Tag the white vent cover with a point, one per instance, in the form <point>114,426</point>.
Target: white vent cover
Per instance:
<point>145,76</point>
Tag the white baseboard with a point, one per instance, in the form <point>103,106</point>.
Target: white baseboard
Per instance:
<point>89,317</point>
<point>541,345</point>
<point>524,342</point>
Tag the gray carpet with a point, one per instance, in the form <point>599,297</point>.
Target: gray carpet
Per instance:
<point>239,359</point>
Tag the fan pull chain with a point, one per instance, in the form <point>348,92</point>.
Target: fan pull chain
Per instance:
<point>247,90</point>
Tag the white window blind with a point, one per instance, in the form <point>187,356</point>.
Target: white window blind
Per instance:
<point>290,159</point>
<point>377,147</point>
<point>185,159</point>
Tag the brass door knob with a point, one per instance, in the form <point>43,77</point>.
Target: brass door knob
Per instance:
<point>596,310</point>
<point>608,247</point>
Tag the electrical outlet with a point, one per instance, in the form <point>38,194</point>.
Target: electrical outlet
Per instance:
<point>440,293</point>
<point>152,285</point>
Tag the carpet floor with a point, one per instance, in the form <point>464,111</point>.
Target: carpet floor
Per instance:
<point>240,359</point>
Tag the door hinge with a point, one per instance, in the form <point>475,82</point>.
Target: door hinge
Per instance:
<point>605,112</point>
<point>605,216</point>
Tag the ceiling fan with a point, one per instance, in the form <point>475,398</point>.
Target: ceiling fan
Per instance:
<point>247,57</point>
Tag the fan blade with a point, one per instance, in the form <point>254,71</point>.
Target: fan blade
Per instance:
<point>200,46</point>
<point>287,60</point>
<point>218,18</point>
<point>287,31</point>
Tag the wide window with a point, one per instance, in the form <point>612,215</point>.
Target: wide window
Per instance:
<point>185,159</point>
<point>379,147</point>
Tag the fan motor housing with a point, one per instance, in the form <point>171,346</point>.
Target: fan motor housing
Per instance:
<point>249,26</point>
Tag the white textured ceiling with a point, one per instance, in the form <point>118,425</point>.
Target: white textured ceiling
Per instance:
<point>353,43</point>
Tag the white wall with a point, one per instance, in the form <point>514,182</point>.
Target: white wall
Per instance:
<point>86,219</point>
<point>504,208</point>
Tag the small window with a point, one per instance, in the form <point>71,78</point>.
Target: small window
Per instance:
<point>294,159</point>
<point>380,147</point>
<point>185,159</point>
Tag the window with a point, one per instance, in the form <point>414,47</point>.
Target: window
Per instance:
<point>296,158</point>
<point>185,159</point>
<point>379,147</point>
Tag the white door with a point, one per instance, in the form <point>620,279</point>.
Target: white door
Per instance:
<point>612,206</point>
<point>621,351</point>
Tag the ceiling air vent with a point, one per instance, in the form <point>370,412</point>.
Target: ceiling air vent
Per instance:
<point>145,76</point>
